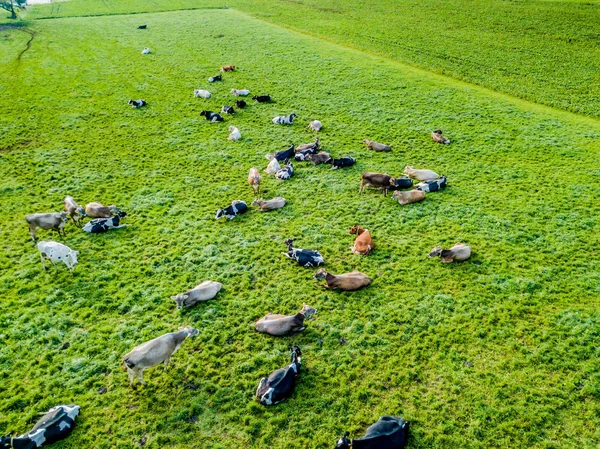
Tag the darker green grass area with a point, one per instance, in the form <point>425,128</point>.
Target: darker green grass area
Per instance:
<point>498,351</point>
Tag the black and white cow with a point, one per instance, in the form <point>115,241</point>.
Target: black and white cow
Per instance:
<point>55,425</point>
<point>262,98</point>
<point>212,116</point>
<point>305,257</point>
<point>227,110</point>
<point>284,119</point>
<point>240,104</point>
<point>342,162</point>
<point>387,433</point>
<point>285,172</point>
<point>136,103</point>
<point>100,225</point>
<point>280,383</point>
<point>434,185</point>
<point>212,79</point>
<point>283,155</point>
<point>237,207</point>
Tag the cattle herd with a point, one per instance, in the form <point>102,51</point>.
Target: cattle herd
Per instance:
<point>388,432</point>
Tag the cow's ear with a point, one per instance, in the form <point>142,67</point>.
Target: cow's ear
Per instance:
<point>174,298</point>
<point>185,297</point>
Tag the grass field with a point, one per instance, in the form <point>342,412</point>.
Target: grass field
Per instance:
<point>539,50</point>
<point>499,351</point>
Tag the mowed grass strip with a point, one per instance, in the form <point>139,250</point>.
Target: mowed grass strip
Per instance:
<point>498,351</point>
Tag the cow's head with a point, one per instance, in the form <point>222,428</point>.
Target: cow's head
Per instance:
<point>356,230</point>
<point>436,252</point>
<point>308,311</point>
<point>63,216</point>
<point>204,113</point>
<point>73,256</point>
<point>344,442</point>
<point>121,213</point>
<point>5,441</point>
<point>321,274</point>
<point>81,211</point>
<point>438,131</point>
<point>189,331</point>
<point>408,169</point>
<point>180,299</point>
<point>397,194</point>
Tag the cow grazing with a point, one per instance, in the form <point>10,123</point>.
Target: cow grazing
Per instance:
<point>142,27</point>
<point>363,244</point>
<point>154,352</point>
<point>434,185</point>
<point>228,68</point>
<point>146,51</point>
<point>320,158</point>
<point>235,134</point>
<point>283,155</point>
<point>203,292</point>
<point>240,92</point>
<point>341,162</point>
<point>56,424</point>
<point>57,252</point>
<point>387,433</point>
<point>275,203</point>
<point>136,103</point>
<point>383,182</point>
<point>262,98</point>
<point>212,116</point>
<point>201,93</point>
<point>412,196</point>
<point>273,167</point>
<point>280,383</point>
<point>74,210</point>
<point>240,104</point>
<point>304,257</point>
<point>284,119</point>
<point>420,175</point>
<point>439,138</point>
<point>237,207</point>
<point>285,173</point>
<point>254,180</point>
<point>346,282</point>
<point>213,79</point>
<point>315,125</point>
<point>100,225</point>
<point>457,253</point>
<point>375,146</point>
<point>51,221</point>
<point>280,325</point>
<point>227,110</point>
<point>97,210</point>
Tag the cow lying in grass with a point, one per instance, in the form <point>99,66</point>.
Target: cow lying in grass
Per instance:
<point>387,433</point>
<point>203,292</point>
<point>280,325</point>
<point>237,207</point>
<point>100,225</point>
<point>280,383</point>
<point>305,257</point>
<point>284,119</point>
<point>136,103</point>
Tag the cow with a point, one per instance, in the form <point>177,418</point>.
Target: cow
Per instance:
<point>228,68</point>
<point>240,92</point>
<point>142,27</point>
<point>280,325</point>
<point>227,110</point>
<point>56,424</point>
<point>237,207</point>
<point>363,244</point>
<point>345,282</point>
<point>284,119</point>
<point>57,252</point>
<point>97,210</point>
<point>273,167</point>
<point>154,352</point>
<point>201,93</point>
<point>203,292</point>
<point>74,210</point>
<point>439,138</point>
<point>304,257</point>
<point>146,51</point>
<point>387,433</point>
<point>315,125</point>
<point>285,173</point>
<point>375,146</point>
<point>433,185</point>
<point>240,104</point>
<point>280,383</point>
<point>235,134</point>
<point>412,196</point>
<point>136,103</point>
<point>457,253</point>
<point>50,221</point>
<point>100,225</point>
<point>212,116</point>
<point>341,162</point>
<point>283,155</point>
<point>254,180</point>
<point>272,204</point>
<point>420,175</point>
<point>212,79</point>
<point>262,98</point>
<point>320,158</point>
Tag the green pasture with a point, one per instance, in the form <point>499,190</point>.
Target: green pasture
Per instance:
<point>499,351</point>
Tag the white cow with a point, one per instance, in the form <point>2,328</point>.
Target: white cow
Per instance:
<point>146,51</point>
<point>57,252</point>
<point>201,93</point>
<point>240,92</point>
<point>235,134</point>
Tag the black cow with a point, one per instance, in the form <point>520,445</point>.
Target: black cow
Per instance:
<point>55,425</point>
<point>283,155</point>
<point>280,383</point>
<point>237,207</point>
<point>142,27</point>
<point>433,186</point>
<point>240,104</point>
<point>403,182</point>
<point>305,257</point>
<point>387,433</point>
<point>262,98</point>
<point>101,225</point>
<point>136,103</point>
<point>212,79</point>
<point>342,162</point>
<point>212,116</point>
<point>227,110</point>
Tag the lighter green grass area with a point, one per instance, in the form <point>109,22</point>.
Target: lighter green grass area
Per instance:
<point>523,192</point>
<point>539,50</point>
